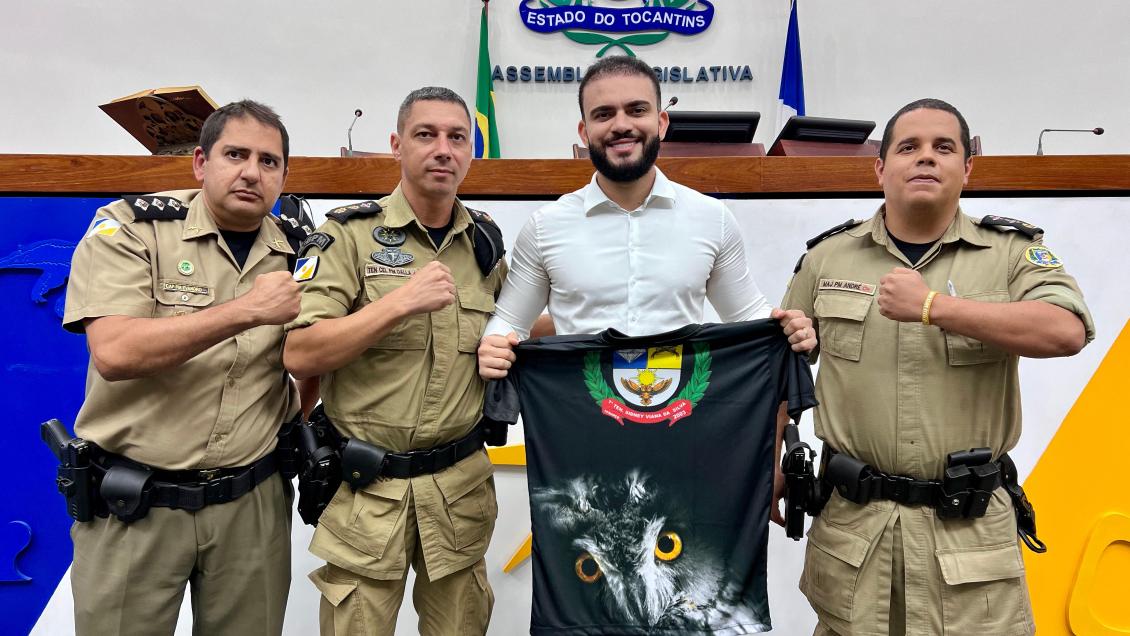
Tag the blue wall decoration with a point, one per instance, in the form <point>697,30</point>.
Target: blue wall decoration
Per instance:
<point>43,374</point>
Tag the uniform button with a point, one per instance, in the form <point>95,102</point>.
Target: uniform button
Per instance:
<point>231,381</point>
<point>184,297</point>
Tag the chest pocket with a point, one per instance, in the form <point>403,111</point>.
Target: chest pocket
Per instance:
<point>963,350</point>
<point>841,316</point>
<point>412,332</point>
<point>177,298</point>
<point>475,307</point>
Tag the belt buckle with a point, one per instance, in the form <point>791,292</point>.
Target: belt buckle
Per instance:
<point>218,490</point>
<point>208,474</point>
<point>899,488</point>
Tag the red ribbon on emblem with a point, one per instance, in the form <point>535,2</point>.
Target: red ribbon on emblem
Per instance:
<point>619,411</point>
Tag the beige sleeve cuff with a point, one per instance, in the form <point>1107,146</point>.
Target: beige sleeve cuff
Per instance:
<point>73,318</point>
<point>316,307</point>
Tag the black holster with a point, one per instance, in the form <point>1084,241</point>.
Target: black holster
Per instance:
<point>76,480</point>
<point>288,451</point>
<point>320,476</point>
<point>803,492</point>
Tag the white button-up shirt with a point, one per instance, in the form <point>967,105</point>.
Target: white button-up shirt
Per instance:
<point>643,271</point>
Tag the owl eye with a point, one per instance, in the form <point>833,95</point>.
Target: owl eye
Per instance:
<point>588,570</point>
<point>668,546</point>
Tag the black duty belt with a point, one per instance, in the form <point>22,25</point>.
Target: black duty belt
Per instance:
<point>362,462</point>
<point>965,492</point>
<point>130,489</point>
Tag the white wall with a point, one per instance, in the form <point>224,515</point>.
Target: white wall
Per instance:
<point>1013,66</point>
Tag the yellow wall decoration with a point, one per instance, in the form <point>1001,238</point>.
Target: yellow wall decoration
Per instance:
<point>1080,488</point>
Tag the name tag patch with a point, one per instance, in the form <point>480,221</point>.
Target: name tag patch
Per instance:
<point>375,269</point>
<point>847,285</point>
<point>184,288</point>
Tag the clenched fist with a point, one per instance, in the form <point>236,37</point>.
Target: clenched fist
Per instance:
<point>798,327</point>
<point>901,295</point>
<point>431,288</point>
<point>496,355</point>
<point>273,299</point>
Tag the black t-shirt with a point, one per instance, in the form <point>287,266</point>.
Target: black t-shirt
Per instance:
<point>440,233</point>
<point>912,251</point>
<point>240,243</point>
<point>650,468</point>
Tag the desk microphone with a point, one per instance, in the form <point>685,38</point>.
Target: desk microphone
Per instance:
<point>671,102</point>
<point>1040,146</point>
<point>349,133</point>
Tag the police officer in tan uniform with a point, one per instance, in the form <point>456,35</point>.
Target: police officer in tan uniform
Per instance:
<point>394,302</point>
<point>922,314</point>
<point>182,296</point>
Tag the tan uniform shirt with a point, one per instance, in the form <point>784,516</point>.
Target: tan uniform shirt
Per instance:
<point>900,396</point>
<point>416,388</point>
<point>223,407</point>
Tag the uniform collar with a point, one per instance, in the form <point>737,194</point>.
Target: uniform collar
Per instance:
<point>661,189</point>
<point>961,228</point>
<point>199,222</point>
<point>398,213</point>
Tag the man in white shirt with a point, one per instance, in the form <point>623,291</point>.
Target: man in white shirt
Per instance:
<point>632,250</point>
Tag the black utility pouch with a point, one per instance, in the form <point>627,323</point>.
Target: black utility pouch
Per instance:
<point>127,491</point>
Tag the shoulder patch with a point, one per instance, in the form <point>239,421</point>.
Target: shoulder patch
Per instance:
<point>1041,256</point>
<point>149,207</point>
<point>814,241</point>
<point>1004,224</point>
<point>842,227</point>
<point>346,212</point>
<point>321,240</point>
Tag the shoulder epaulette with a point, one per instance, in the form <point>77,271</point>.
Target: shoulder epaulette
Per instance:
<point>293,220</point>
<point>346,212</point>
<point>814,241</point>
<point>842,227</point>
<point>1003,223</point>
<point>489,247</point>
<point>150,207</point>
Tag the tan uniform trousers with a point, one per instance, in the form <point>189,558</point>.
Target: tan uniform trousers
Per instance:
<point>130,578</point>
<point>354,605</point>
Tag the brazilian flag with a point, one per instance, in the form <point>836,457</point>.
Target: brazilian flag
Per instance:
<point>486,130</point>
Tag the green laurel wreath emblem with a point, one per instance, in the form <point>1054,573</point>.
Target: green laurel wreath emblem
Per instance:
<point>693,391</point>
<point>635,39</point>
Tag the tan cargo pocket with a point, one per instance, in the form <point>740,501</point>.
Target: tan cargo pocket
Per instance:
<point>412,332</point>
<point>345,614</point>
<point>365,519</point>
<point>177,298</point>
<point>475,307</point>
<point>840,316</point>
<point>963,350</point>
<point>334,588</point>
<point>831,568</point>
<point>468,492</point>
<point>985,591</point>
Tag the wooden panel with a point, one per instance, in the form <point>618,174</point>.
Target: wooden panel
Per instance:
<point>549,178</point>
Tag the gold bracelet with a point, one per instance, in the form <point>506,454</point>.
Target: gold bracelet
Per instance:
<point>926,307</point>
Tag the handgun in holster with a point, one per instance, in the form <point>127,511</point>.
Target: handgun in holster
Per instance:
<point>75,477</point>
<point>802,489</point>
<point>320,476</point>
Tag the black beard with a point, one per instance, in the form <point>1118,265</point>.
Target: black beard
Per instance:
<point>627,172</point>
